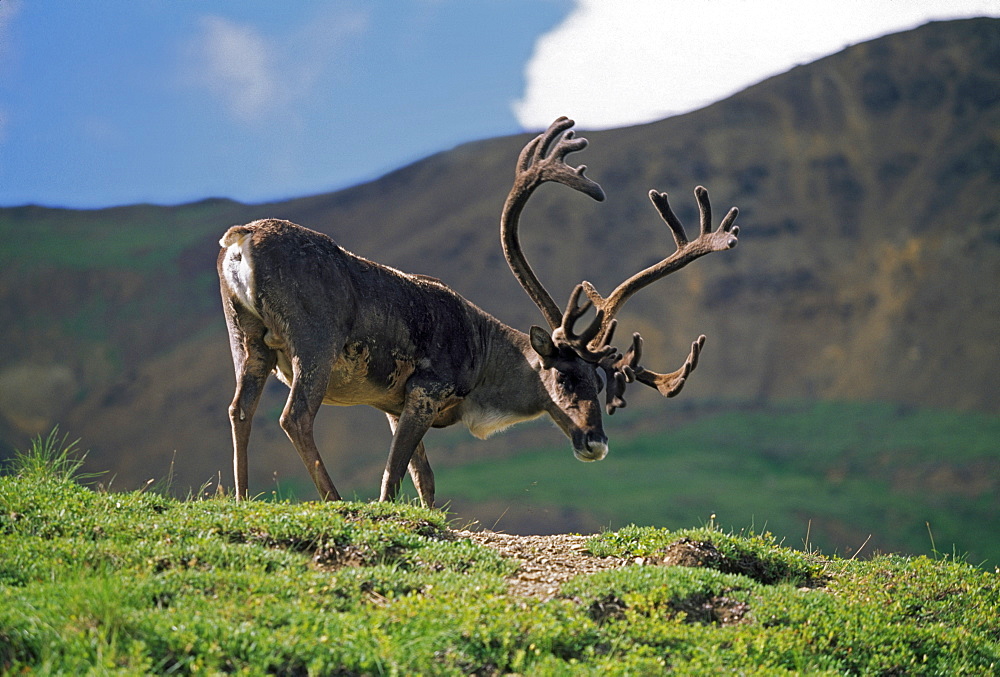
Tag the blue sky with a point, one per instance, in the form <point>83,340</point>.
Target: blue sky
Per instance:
<point>169,101</point>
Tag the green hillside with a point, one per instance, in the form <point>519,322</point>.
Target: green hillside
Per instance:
<point>138,583</point>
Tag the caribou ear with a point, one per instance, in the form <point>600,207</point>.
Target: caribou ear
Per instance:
<point>542,343</point>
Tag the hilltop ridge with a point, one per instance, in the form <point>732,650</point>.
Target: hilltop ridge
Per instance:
<point>141,583</point>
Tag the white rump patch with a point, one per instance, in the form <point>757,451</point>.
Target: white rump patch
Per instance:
<point>238,269</point>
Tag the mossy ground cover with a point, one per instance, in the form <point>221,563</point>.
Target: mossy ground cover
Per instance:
<point>137,582</point>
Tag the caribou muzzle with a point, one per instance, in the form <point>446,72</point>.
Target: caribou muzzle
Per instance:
<point>588,447</point>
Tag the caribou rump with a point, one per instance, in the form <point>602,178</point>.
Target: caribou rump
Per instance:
<point>340,329</point>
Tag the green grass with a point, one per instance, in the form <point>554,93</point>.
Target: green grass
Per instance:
<point>832,473</point>
<point>138,583</point>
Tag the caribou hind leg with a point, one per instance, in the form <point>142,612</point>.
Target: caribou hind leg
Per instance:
<point>420,469</point>
<point>422,475</point>
<point>253,362</point>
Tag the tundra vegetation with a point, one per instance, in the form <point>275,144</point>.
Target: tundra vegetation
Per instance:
<point>137,582</point>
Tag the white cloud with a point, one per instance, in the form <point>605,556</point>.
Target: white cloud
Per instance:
<point>8,11</point>
<point>257,76</point>
<point>613,63</point>
<point>236,64</point>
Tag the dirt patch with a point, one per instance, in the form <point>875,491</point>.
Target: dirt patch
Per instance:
<point>337,556</point>
<point>706,609</point>
<point>689,553</point>
<point>546,562</point>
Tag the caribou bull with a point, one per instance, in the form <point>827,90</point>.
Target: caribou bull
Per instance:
<point>340,329</point>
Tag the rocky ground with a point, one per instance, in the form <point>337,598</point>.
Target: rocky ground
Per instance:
<point>546,561</point>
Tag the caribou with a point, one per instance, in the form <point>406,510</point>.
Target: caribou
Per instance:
<point>339,329</point>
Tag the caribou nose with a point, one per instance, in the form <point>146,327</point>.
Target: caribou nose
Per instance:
<point>595,450</point>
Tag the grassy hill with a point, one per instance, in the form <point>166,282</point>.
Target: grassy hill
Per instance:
<point>139,583</point>
<point>870,246</point>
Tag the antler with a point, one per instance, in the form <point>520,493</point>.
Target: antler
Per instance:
<point>543,159</point>
<point>623,369</point>
<point>723,238</point>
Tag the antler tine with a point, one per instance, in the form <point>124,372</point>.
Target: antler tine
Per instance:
<point>662,204</point>
<point>620,370</point>
<point>705,213</point>
<point>573,312</point>
<point>527,154</point>
<point>582,343</point>
<point>542,159</point>
<point>704,209</point>
<point>616,391</point>
<point>560,130</point>
<point>548,157</point>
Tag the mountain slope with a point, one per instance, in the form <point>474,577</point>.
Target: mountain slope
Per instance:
<point>870,248</point>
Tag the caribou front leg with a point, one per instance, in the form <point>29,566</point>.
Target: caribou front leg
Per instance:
<point>299,414</point>
<point>407,449</point>
<point>420,469</point>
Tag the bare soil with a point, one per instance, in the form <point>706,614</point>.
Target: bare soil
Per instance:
<point>545,561</point>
